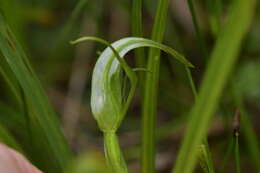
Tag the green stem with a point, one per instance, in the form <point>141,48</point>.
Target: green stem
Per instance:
<point>137,31</point>
<point>150,91</point>
<point>113,153</point>
<point>237,156</point>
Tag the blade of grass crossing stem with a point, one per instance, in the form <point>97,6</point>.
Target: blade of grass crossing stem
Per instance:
<point>207,155</point>
<point>221,63</point>
<point>47,140</point>
<point>207,159</point>
<point>150,91</point>
<point>203,47</point>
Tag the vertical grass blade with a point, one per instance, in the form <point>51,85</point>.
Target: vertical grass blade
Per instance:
<point>204,50</point>
<point>221,63</point>
<point>150,91</point>
<point>137,30</point>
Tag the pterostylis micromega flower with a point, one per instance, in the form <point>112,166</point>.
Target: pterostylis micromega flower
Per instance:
<point>108,102</point>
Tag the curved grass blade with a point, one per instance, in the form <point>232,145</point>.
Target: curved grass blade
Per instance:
<point>223,59</point>
<point>47,140</point>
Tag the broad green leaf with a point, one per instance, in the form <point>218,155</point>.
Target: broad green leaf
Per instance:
<point>11,118</point>
<point>46,139</point>
<point>222,61</point>
<point>106,95</point>
<point>6,138</point>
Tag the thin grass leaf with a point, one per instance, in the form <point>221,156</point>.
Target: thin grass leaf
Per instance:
<point>222,62</point>
<point>47,140</point>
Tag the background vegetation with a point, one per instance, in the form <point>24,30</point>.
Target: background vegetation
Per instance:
<point>46,84</point>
